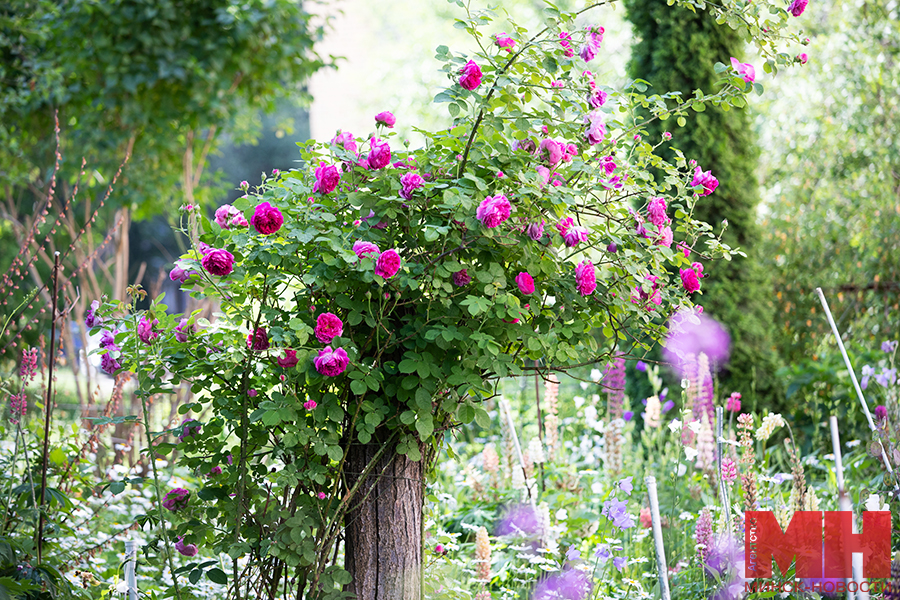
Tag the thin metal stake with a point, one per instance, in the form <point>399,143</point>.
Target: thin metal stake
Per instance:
<point>131,591</point>
<point>658,539</point>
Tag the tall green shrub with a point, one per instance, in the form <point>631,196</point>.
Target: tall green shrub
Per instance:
<point>677,50</point>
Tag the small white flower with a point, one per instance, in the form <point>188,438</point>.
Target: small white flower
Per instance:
<point>562,514</point>
<point>686,516</point>
<point>873,503</point>
<point>597,488</point>
<point>674,425</point>
<point>682,469</point>
<point>690,453</point>
<point>596,375</point>
<point>853,443</point>
<point>694,426</point>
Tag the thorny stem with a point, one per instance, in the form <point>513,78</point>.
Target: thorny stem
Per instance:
<point>48,407</point>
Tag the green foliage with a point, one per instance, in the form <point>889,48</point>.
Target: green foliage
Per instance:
<point>160,78</point>
<point>677,50</point>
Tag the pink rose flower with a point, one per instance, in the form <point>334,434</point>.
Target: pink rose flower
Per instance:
<point>797,7</point>
<point>504,41</point>
<point>802,58</point>
<point>176,499</point>
<point>145,330</point>
<point>182,331</point>
<point>385,118</point>
<point>228,216</point>
<point>525,282</point>
<point>705,179</point>
<point>565,40</point>
<point>327,178</point>
<point>689,280</point>
<point>592,43</point>
<point>379,154</point>
<point>178,274</point>
<point>267,219</point>
<point>586,278</point>
<point>470,76</point>
<point>188,431</point>
<point>258,340</point>
<point>462,278</point>
<point>387,264</point>
<point>597,97</point>
<point>218,262</point>
<point>745,70</point>
<point>109,364</point>
<point>535,230</point>
<point>596,131</point>
<point>185,549</point>
<point>551,151</point>
<point>290,359</point>
<point>310,404</point>
<point>575,235</point>
<point>362,248</point>
<point>331,363</point>
<point>666,237</point>
<point>410,183</point>
<point>345,140</point>
<point>656,208</point>
<point>328,327</point>
<point>493,211</point>
<point>322,495</point>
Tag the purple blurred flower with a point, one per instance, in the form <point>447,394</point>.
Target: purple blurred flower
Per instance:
<point>690,333</point>
<point>617,511</point>
<point>669,405</point>
<point>888,346</point>
<point>570,584</point>
<point>185,549</point>
<point>628,415</point>
<point>886,377</point>
<point>641,366</point>
<point>619,562</point>
<point>725,563</point>
<point>573,553</point>
<point>867,372</point>
<point>519,520</point>
<point>881,412</point>
<point>602,554</point>
<point>625,485</point>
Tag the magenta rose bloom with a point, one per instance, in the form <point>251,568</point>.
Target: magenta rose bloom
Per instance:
<point>91,319</point>
<point>145,330</point>
<point>386,118</point>
<point>387,264</point>
<point>575,235</point>
<point>185,549</point>
<point>657,211</point>
<point>109,364</point>
<point>327,178</point>
<point>525,283</point>
<point>345,140</point>
<point>535,230</point>
<point>379,154</point>
<point>331,363</point>
<point>182,331</point>
<point>797,7</point>
<point>802,58</point>
<point>586,278</point>
<point>551,151</point>
<point>493,211</point>
<point>328,327</point>
<point>362,248</point>
<point>267,219</point>
<point>596,131</point>
<point>592,43</point>
<point>689,280</point>
<point>410,183</point>
<point>228,216</point>
<point>597,97</point>
<point>189,428</point>
<point>218,262</point>
<point>666,237</point>
<point>258,340</point>
<point>290,359</point>
<point>176,499</point>
<point>470,76</point>
<point>705,179</point>
<point>462,278</point>
<point>745,70</point>
<point>505,42</point>
<point>178,274</point>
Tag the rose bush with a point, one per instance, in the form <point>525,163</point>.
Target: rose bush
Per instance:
<point>328,346</point>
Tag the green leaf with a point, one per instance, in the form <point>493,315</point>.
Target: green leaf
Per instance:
<point>358,387</point>
<point>549,63</point>
<point>482,418</point>
<point>408,366</point>
<point>57,456</point>
<point>116,487</point>
<point>425,427</point>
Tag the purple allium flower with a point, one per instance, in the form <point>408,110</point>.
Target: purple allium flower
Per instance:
<point>176,499</point>
<point>185,549</point>
<point>328,327</point>
<point>91,319</point>
<point>331,363</point>
<point>690,333</point>
<point>519,520</point>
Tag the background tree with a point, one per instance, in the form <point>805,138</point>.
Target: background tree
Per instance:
<point>739,293</point>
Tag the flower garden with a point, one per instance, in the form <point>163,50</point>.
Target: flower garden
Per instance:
<point>482,367</point>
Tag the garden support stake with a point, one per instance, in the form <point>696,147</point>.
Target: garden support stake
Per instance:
<point>844,503</point>
<point>661,566</point>
<point>862,399</point>
<point>48,406</point>
<point>504,410</point>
